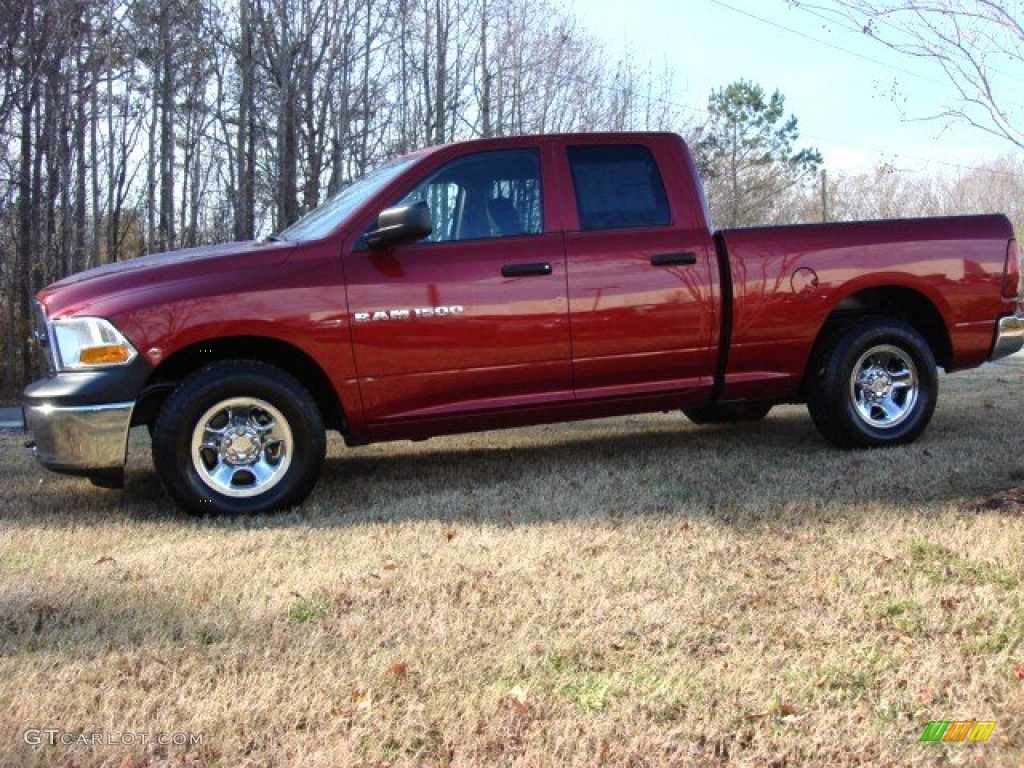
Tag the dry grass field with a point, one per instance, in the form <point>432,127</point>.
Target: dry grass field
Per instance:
<point>636,591</point>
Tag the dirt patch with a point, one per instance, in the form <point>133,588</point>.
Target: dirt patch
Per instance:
<point>1009,502</point>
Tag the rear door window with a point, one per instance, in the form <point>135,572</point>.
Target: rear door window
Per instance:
<point>618,187</point>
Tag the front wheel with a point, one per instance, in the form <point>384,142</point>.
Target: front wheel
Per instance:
<point>874,384</point>
<point>239,437</point>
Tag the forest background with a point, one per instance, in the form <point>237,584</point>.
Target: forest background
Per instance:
<point>137,126</point>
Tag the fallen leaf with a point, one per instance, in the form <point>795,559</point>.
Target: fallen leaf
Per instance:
<point>1018,670</point>
<point>106,559</point>
<point>399,670</point>
<point>449,535</point>
<point>390,565</point>
<point>517,700</point>
<point>521,707</point>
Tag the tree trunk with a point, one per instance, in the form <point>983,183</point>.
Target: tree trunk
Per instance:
<point>245,199</point>
<point>166,235</point>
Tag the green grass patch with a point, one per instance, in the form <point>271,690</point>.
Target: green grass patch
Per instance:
<point>306,609</point>
<point>944,566</point>
<point>591,694</point>
<point>19,561</point>
<point>1004,637</point>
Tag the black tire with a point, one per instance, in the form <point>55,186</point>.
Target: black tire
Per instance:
<point>268,460</point>
<point>872,383</point>
<point>728,413</point>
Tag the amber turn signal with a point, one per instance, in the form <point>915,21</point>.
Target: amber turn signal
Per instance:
<point>104,354</point>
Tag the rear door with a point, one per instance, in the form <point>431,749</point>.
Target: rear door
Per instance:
<point>642,275</point>
<point>473,319</point>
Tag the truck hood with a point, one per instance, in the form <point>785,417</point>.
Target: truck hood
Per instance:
<point>75,293</point>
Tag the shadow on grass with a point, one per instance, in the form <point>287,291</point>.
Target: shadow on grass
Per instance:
<point>115,610</point>
<point>645,465</point>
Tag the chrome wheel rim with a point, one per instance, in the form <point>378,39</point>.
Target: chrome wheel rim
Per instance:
<point>884,387</point>
<point>242,447</point>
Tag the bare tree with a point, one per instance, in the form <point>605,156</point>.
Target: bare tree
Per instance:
<point>133,126</point>
<point>245,144</point>
<point>974,42</point>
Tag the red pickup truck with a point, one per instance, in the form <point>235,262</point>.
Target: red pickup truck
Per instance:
<point>500,283</point>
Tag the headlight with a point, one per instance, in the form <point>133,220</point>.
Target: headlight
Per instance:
<point>90,342</point>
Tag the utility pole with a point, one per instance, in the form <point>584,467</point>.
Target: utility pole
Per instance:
<point>824,195</point>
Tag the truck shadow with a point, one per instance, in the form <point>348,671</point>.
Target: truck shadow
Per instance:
<point>659,466</point>
<point>651,465</point>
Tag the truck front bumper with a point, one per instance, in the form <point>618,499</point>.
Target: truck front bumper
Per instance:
<point>1009,336</point>
<point>79,421</point>
<point>80,440</point>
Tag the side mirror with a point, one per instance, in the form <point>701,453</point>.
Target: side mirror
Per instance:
<point>399,224</point>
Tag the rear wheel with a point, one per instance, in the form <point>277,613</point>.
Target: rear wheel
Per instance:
<point>875,384</point>
<point>239,437</point>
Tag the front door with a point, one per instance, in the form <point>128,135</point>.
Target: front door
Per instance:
<point>474,318</point>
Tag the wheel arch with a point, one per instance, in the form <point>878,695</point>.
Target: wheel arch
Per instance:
<point>275,352</point>
<point>904,303</point>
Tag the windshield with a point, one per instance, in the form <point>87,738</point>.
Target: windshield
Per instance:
<point>324,219</point>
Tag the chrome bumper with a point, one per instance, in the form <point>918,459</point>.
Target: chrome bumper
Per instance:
<point>80,439</point>
<point>1009,336</point>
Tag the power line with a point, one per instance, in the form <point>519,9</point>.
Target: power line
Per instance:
<point>881,153</point>
<point>702,111</point>
<point>640,96</point>
<point>826,43</point>
<point>917,158</point>
<point>839,18</point>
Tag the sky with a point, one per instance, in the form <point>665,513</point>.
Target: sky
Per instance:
<point>838,82</point>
